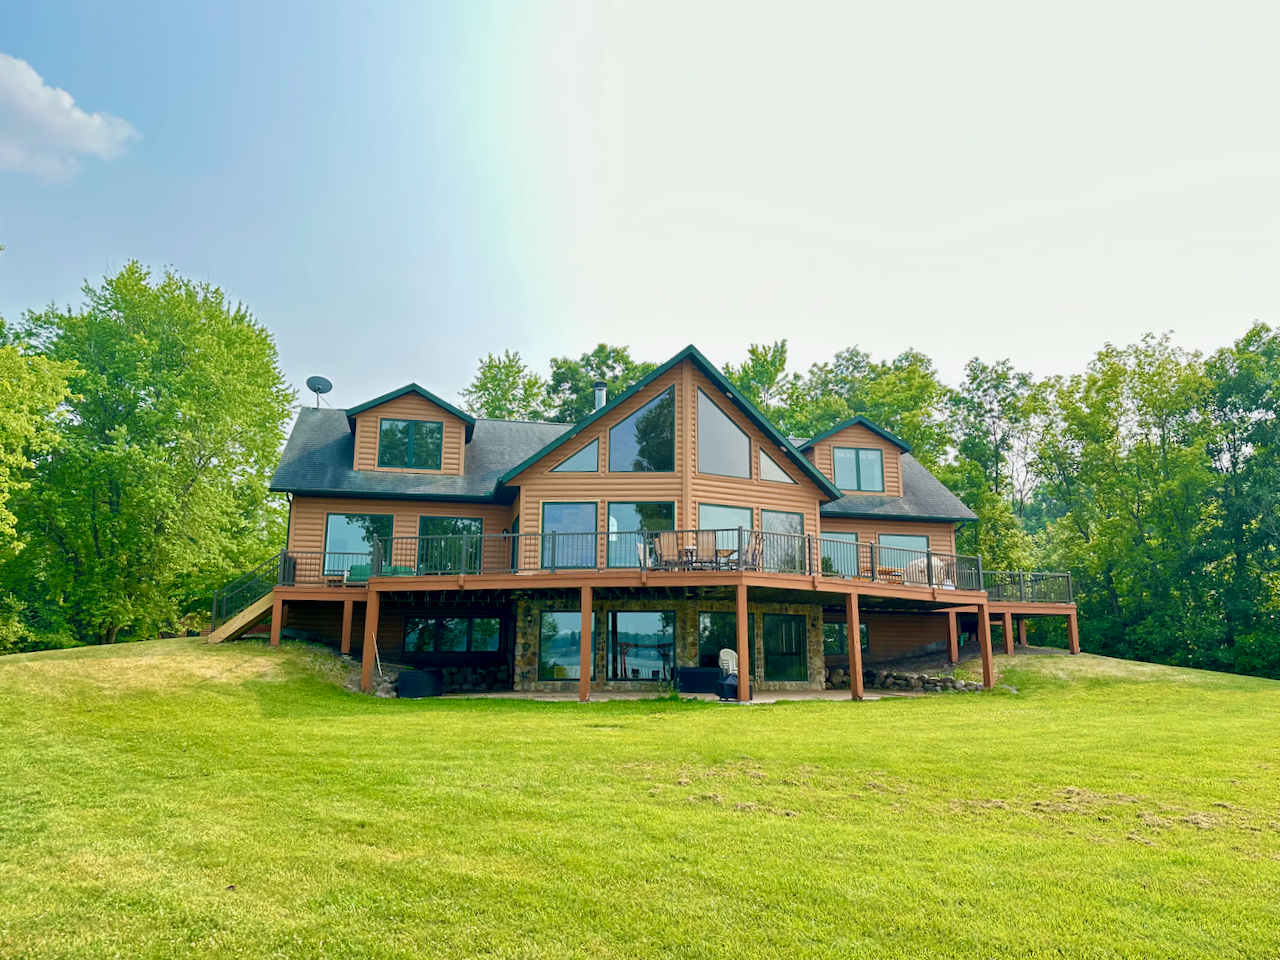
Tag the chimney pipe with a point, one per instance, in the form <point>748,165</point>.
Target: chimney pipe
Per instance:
<point>600,393</point>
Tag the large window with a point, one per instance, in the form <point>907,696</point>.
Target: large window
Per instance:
<point>642,645</point>
<point>840,554</point>
<point>784,548</point>
<point>560,646</point>
<point>569,535</point>
<point>723,449</point>
<point>899,549</point>
<point>769,470</point>
<point>718,631</point>
<point>835,638</point>
<point>451,634</point>
<point>630,526</point>
<point>442,547</point>
<point>586,460</point>
<point>857,468</point>
<point>646,440</point>
<point>410,443</point>
<point>713,516</point>
<point>786,648</point>
<point>349,540</point>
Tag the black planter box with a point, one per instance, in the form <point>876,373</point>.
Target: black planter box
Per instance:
<point>698,679</point>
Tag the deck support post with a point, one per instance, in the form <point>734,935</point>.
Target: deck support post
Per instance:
<point>1007,629</point>
<point>953,637</point>
<point>744,651</point>
<point>284,615</point>
<point>984,644</point>
<point>853,632</point>
<point>370,641</point>
<point>1073,633</point>
<point>1022,631</point>
<point>348,609</point>
<point>586,649</point>
<point>277,619</point>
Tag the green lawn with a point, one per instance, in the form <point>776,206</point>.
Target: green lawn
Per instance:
<point>171,799</point>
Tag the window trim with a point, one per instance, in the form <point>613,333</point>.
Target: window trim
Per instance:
<point>702,394</point>
<point>378,458</point>
<point>344,513</point>
<point>610,633</point>
<point>543,533</point>
<point>560,467</point>
<point>608,544</point>
<point>857,468</point>
<point>676,428</point>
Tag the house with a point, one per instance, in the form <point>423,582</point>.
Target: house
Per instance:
<point>672,523</point>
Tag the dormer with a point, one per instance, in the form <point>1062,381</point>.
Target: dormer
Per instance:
<point>859,458</point>
<point>410,430</point>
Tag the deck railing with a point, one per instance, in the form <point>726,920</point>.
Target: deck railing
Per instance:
<point>671,550</point>
<point>1022,586</point>
<point>241,592</point>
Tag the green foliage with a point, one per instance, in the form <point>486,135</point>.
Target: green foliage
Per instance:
<point>571,386</point>
<point>505,389</point>
<point>156,490</point>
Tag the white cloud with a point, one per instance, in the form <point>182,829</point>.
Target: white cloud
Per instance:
<point>43,132</point>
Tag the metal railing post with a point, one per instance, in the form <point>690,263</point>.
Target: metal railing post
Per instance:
<point>280,572</point>
<point>554,537</point>
<point>982,580</point>
<point>1022,586</point>
<point>1071,593</point>
<point>742,549</point>
<point>375,559</point>
<point>928,560</point>
<point>464,553</point>
<point>875,560</point>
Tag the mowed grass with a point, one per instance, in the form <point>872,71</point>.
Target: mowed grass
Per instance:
<point>171,799</point>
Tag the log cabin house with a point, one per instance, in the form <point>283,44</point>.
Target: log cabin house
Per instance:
<point>624,552</point>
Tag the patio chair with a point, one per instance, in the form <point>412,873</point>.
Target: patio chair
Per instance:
<point>666,551</point>
<point>642,553</point>
<point>704,552</point>
<point>754,551</point>
<point>359,572</point>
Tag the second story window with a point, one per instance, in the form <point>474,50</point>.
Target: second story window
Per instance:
<point>413,444</point>
<point>859,468</point>
<point>646,440</point>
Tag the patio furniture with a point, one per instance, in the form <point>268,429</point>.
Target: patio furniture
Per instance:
<point>359,572</point>
<point>666,551</point>
<point>705,554</point>
<point>755,550</point>
<point>698,679</point>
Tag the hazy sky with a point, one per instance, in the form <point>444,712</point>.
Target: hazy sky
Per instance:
<point>397,189</point>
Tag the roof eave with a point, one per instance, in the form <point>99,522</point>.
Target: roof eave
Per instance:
<point>423,392</point>
<point>860,421</point>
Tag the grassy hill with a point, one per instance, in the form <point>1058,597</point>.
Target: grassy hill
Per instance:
<point>171,799</point>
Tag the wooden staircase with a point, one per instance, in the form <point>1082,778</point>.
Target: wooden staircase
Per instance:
<point>247,618</point>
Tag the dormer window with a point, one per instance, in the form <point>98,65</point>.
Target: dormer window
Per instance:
<point>859,468</point>
<point>411,444</point>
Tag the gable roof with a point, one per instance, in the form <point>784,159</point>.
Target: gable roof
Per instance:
<point>319,459</point>
<point>859,421</point>
<point>715,376</point>
<point>924,498</point>
<point>466,418</point>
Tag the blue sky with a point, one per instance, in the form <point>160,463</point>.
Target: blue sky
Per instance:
<point>397,189</point>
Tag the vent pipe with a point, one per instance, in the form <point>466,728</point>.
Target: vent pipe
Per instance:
<point>600,386</point>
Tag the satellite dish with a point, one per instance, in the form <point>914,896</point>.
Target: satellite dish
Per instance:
<point>319,385</point>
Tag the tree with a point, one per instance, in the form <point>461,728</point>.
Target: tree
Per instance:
<point>762,378</point>
<point>157,488</point>
<point>571,389</point>
<point>505,389</point>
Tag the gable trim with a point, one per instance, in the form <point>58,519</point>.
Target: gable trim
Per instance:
<point>466,418</point>
<point>858,421</point>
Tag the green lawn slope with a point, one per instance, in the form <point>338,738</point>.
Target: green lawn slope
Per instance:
<point>172,799</point>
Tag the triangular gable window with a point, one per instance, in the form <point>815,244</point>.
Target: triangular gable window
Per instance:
<point>769,470</point>
<point>723,449</point>
<point>586,460</point>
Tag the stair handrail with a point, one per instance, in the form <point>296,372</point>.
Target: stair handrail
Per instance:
<point>237,595</point>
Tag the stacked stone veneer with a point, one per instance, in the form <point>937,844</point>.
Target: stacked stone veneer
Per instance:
<point>528,632</point>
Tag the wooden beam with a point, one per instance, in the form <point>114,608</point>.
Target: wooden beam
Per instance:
<point>586,649</point>
<point>984,644</point>
<point>744,651</point>
<point>853,631</point>
<point>348,610</point>
<point>1007,630</point>
<point>277,619</point>
<point>1073,633</point>
<point>370,652</point>
<point>1022,631</point>
<point>953,637</point>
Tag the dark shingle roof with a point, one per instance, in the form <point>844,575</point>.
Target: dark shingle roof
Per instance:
<point>318,460</point>
<point>925,499</point>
